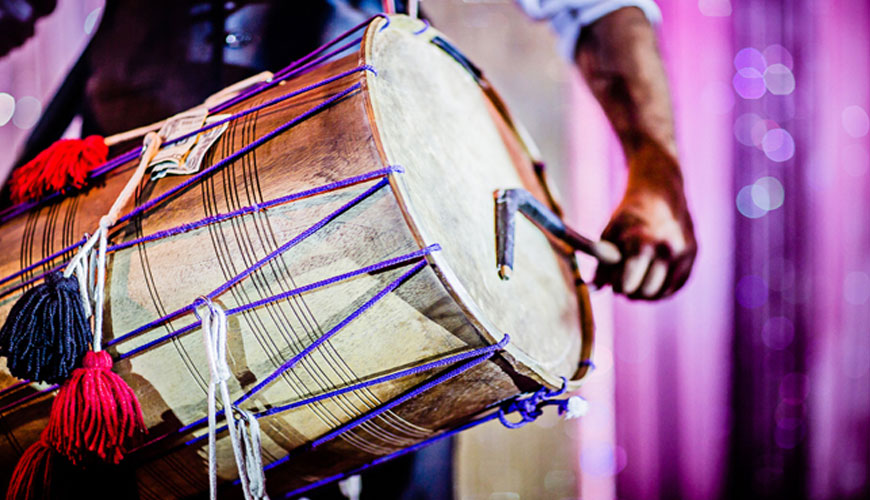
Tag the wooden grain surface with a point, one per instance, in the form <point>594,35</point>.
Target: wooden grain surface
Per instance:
<point>440,310</point>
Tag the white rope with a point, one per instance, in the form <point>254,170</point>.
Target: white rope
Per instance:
<point>100,289</point>
<point>244,432</point>
<point>249,429</point>
<point>82,263</point>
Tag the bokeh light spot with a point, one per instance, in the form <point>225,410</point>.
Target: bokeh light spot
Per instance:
<point>750,58</point>
<point>778,145</point>
<point>789,438</point>
<point>743,127</point>
<point>27,112</point>
<point>751,291</point>
<point>855,121</point>
<point>768,193</point>
<point>779,79</point>
<point>856,288</point>
<point>777,54</point>
<point>602,459</point>
<point>7,108</point>
<point>789,416</point>
<point>794,388</point>
<point>749,83</point>
<point>760,129</point>
<point>746,206</point>
<point>778,332</point>
<point>715,8</point>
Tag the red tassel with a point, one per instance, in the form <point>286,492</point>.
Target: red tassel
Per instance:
<point>41,473</point>
<point>64,164</point>
<point>95,413</point>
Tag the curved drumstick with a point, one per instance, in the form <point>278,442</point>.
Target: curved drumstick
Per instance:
<point>509,201</point>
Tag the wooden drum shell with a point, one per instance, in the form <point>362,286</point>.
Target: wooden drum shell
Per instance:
<point>430,316</point>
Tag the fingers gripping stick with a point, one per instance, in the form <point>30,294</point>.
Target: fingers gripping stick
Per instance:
<point>510,201</point>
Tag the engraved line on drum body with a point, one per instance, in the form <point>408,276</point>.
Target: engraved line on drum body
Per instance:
<point>69,224</point>
<point>332,356</point>
<point>142,251</point>
<point>222,252</point>
<point>279,269</point>
<point>48,226</point>
<point>240,295</point>
<point>301,309</point>
<point>276,311</point>
<point>25,259</point>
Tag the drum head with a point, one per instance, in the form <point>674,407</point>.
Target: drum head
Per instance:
<point>432,118</point>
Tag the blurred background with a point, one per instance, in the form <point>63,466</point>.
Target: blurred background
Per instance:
<point>754,381</point>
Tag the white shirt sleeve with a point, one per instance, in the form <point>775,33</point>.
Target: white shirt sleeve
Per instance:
<point>568,17</point>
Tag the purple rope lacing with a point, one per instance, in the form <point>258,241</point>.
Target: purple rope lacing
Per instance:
<point>294,69</point>
<point>242,275</point>
<point>503,410</point>
<point>257,207</point>
<point>400,260</point>
<point>43,261</point>
<point>284,74</point>
<point>248,271</point>
<point>237,154</point>
<point>473,353</point>
<point>184,228</point>
<point>279,297</point>
<point>454,372</point>
<point>29,397</point>
<point>290,363</point>
<point>308,232</point>
<point>424,28</point>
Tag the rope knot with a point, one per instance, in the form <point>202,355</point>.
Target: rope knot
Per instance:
<point>214,327</point>
<point>531,407</point>
<point>97,360</point>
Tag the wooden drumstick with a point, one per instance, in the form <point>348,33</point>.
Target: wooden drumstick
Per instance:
<point>510,201</point>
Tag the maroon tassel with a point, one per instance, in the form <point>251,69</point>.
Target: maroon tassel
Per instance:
<point>95,413</point>
<point>63,165</point>
<point>41,473</point>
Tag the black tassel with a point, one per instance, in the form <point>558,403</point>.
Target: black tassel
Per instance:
<point>46,333</point>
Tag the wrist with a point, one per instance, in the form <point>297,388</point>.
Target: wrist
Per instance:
<point>654,170</point>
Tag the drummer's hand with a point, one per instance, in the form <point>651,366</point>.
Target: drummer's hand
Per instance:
<point>652,229</point>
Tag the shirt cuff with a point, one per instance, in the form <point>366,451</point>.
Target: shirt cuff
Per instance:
<point>568,17</point>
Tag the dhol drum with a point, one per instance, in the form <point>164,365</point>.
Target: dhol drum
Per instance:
<point>346,224</point>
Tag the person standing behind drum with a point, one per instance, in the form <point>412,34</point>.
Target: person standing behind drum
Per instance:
<point>149,60</point>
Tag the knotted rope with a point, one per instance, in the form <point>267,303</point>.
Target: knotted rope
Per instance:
<point>245,431</point>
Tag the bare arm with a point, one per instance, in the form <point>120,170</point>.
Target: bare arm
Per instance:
<point>619,57</point>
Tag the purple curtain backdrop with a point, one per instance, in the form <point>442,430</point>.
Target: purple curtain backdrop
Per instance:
<point>754,382</point>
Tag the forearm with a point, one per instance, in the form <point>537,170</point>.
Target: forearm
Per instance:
<point>619,57</point>
<point>651,226</point>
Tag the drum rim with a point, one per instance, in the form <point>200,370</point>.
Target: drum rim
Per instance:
<point>524,363</point>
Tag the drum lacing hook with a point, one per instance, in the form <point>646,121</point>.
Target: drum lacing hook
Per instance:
<point>531,408</point>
